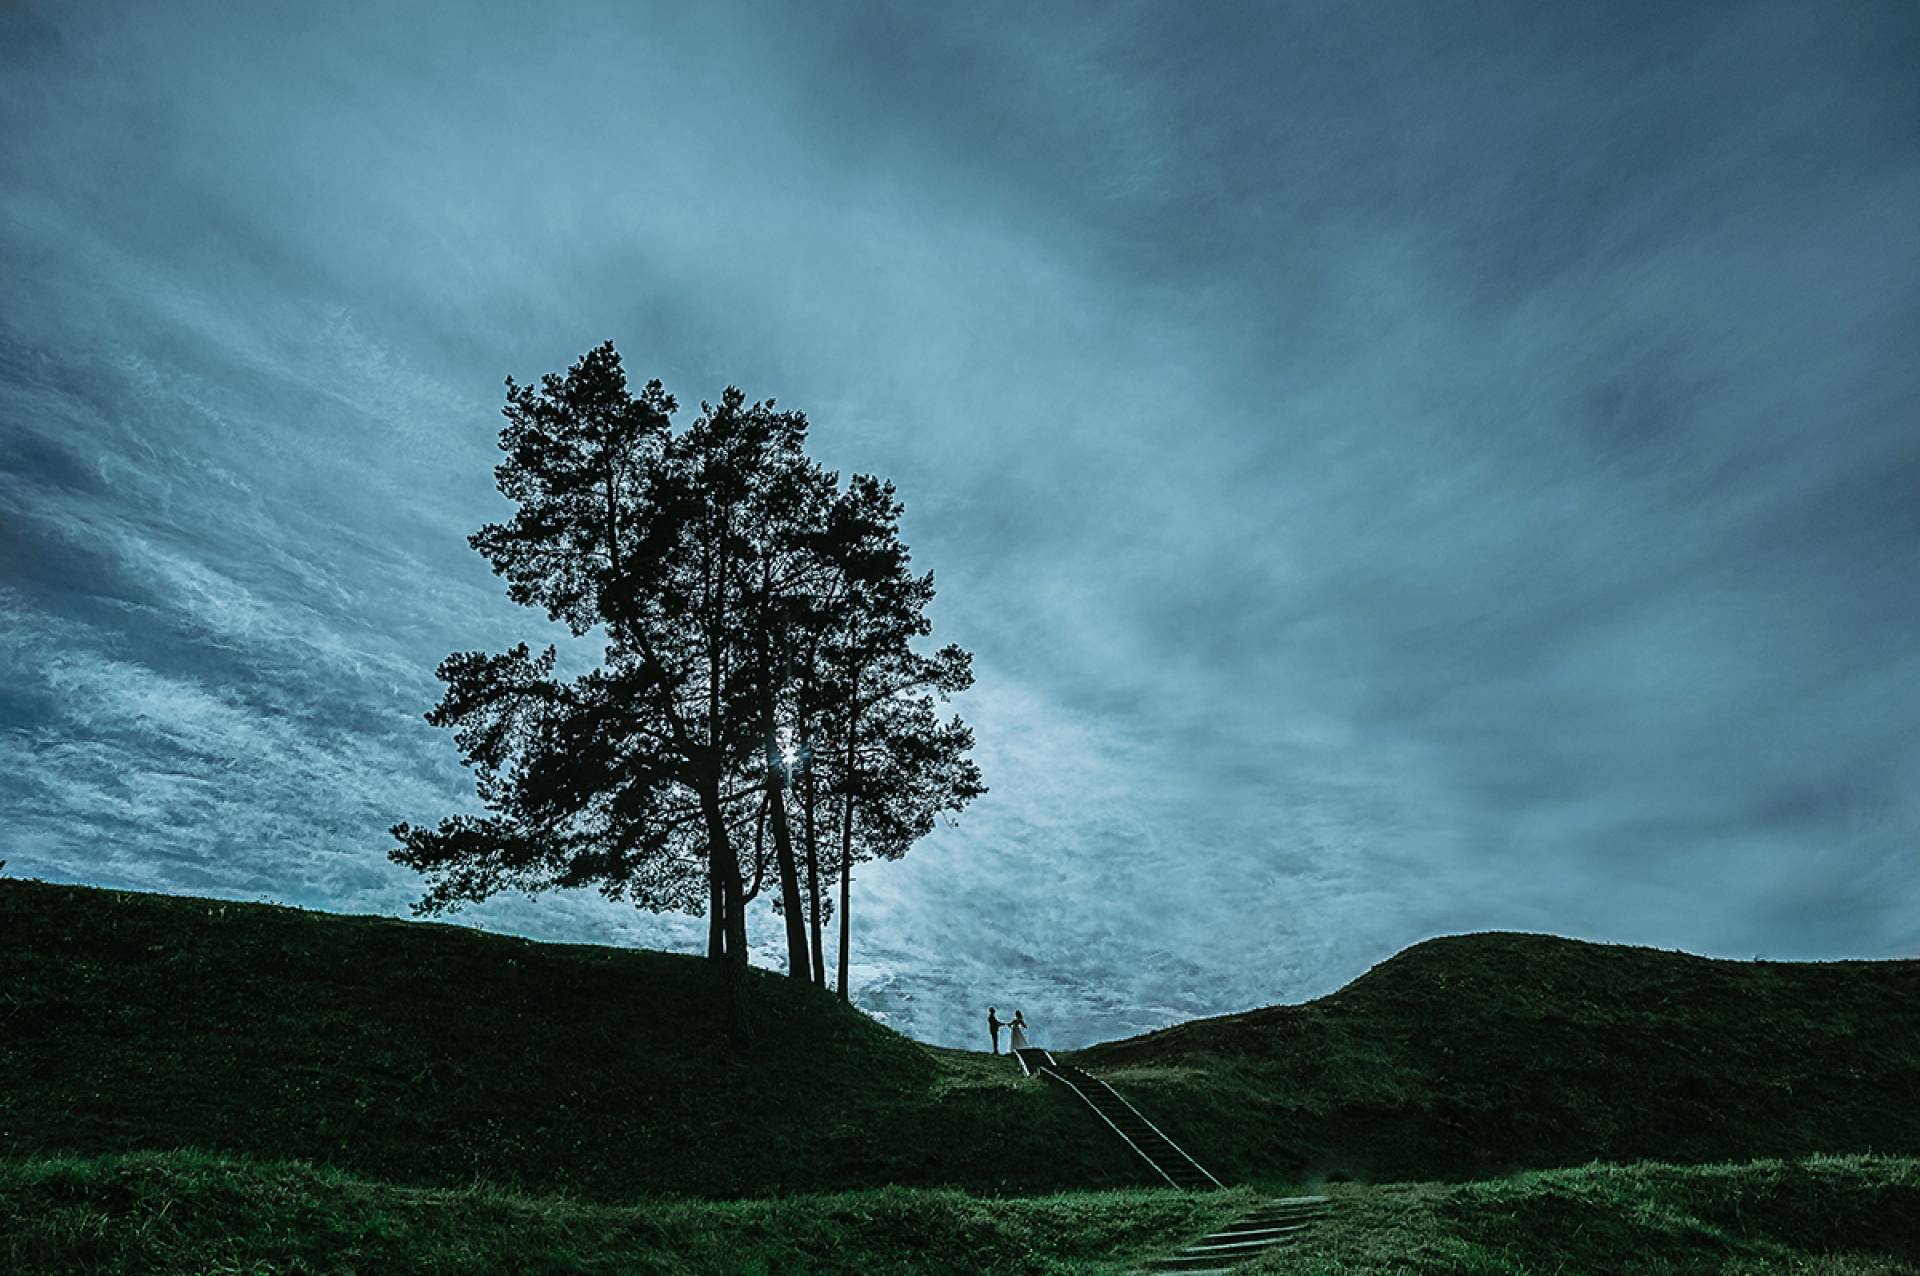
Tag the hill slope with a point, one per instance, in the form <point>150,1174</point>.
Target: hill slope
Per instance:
<point>190,1213</point>
<point>437,1055</point>
<point>157,1213</point>
<point>1483,1053</point>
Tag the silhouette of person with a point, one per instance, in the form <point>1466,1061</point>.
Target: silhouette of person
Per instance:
<point>994,1025</point>
<point>1018,1041</point>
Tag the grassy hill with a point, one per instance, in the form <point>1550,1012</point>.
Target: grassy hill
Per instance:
<point>1830,1216</point>
<point>1482,1054</point>
<point>438,1055</point>
<point>145,1214</point>
<point>434,1055</point>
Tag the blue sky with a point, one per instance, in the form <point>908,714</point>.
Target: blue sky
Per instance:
<point>1400,470</point>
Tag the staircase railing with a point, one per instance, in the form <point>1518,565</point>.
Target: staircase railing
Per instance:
<point>1073,1079</point>
<point>1124,1137</point>
<point>1122,1101</point>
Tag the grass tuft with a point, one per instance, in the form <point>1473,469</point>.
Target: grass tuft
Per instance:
<point>193,1212</point>
<point>1834,1215</point>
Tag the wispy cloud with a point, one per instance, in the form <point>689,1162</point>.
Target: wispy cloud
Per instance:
<point>1395,479</point>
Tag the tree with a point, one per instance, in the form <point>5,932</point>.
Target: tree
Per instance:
<point>892,767</point>
<point>574,802</point>
<point>704,560</point>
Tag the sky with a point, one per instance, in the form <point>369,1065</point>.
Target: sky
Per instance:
<point>1400,469</point>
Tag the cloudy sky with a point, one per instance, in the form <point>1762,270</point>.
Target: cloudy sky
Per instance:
<point>1401,469</point>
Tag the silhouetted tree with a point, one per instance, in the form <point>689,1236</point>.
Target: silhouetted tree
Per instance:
<point>733,606</point>
<point>658,539</point>
<point>574,802</point>
<point>890,767</point>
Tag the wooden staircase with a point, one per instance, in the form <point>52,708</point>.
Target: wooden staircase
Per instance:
<point>1273,1223</point>
<point>1140,1134</point>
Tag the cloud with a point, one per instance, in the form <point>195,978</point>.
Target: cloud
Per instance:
<point>1453,474</point>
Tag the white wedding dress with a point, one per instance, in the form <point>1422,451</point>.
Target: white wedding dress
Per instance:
<point>1019,1038</point>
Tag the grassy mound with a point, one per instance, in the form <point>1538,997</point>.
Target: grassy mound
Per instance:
<point>193,1213</point>
<point>1841,1216</point>
<point>1480,1054</point>
<point>187,1212</point>
<point>436,1055</point>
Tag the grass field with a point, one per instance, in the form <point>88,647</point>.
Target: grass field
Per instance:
<point>191,1074</point>
<point>1840,1216</point>
<point>189,1212</point>
<point>432,1054</point>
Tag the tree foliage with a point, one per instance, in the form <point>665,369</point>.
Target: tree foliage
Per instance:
<point>757,621</point>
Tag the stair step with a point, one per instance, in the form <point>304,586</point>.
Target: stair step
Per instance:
<point>1165,1156</point>
<point>1229,1249</point>
<point>1273,1221</point>
<point>1255,1243</point>
<point>1249,1234</point>
<point>1260,1229</point>
<point>1220,1251</point>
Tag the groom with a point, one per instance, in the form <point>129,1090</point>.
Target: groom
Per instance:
<point>994,1025</point>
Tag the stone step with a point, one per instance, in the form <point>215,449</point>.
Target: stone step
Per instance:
<point>1241,1249</point>
<point>1240,1240</point>
<point>1295,1212</point>
<point>1262,1227</point>
<point>1247,1236</point>
<point>1196,1262</point>
<point>1281,1216</point>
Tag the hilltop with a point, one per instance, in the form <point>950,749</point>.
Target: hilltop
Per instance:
<point>437,1055</point>
<point>1486,1053</point>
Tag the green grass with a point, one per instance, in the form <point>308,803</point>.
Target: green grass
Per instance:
<point>188,1212</point>
<point>185,1212</point>
<point>1478,1055</point>
<point>1837,1216</point>
<point>435,1056</point>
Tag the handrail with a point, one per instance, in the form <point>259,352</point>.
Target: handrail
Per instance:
<point>1150,1125</point>
<point>1057,1075</point>
<point>1028,1066</point>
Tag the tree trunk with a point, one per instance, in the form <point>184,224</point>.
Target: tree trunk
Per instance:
<point>813,888</point>
<point>799,959</point>
<point>846,881</point>
<point>716,910</point>
<point>725,866</point>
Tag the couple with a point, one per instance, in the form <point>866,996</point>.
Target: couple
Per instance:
<point>1017,1040</point>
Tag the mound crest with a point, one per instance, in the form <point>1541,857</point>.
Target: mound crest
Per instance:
<point>1477,1053</point>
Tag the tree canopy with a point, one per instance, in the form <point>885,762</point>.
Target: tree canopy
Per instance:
<point>758,620</point>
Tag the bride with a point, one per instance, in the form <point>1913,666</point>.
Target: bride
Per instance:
<point>1019,1026</point>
